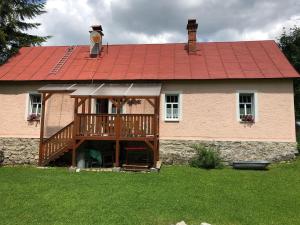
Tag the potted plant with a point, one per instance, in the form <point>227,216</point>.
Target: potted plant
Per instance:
<point>247,118</point>
<point>33,117</point>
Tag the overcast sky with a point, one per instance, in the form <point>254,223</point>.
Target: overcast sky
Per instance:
<point>162,21</point>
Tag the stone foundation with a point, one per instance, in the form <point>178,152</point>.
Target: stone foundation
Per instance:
<point>20,150</point>
<point>26,150</point>
<point>180,151</point>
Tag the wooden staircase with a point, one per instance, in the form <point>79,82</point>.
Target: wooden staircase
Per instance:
<point>57,145</point>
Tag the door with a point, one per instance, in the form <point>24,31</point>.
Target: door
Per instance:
<point>101,106</point>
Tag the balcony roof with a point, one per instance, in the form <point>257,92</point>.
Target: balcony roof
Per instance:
<point>105,89</point>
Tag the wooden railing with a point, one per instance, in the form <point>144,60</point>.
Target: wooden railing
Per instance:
<point>95,125</point>
<point>137,125</point>
<point>57,143</point>
<point>112,125</point>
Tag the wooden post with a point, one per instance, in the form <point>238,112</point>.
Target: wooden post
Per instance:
<point>41,153</point>
<point>157,119</point>
<point>156,132</point>
<point>74,156</point>
<point>75,132</point>
<point>90,105</point>
<point>117,131</point>
<point>117,153</point>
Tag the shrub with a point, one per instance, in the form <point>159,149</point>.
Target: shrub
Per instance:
<point>298,141</point>
<point>207,158</point>
<point>1,157</point>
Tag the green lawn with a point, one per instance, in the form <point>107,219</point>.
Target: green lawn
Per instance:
<point>55,196</point>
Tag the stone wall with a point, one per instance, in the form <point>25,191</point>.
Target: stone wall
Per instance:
<point>180,151</point>
<point>25,150</point>
<point>20,150</point>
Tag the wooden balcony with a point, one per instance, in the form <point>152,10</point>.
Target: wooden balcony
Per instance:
<point>112,126</point>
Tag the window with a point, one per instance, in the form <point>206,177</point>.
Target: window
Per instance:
<point>113,108</point>
<point>35,104</point>
<point>34,107</point>
<point>246,107</point>
<point>172,110</point>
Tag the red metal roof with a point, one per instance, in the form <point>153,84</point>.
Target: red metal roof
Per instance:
<point>214,60</point>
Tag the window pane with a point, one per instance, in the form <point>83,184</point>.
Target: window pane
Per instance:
<point>175,98</point>
<point>169,111</point>
<point>175,111</point>
<point>242,109</point>
<point>168,98</point>
<point>34,108</point>
<point>246,98</point>
<point>172,98</point>
<point>249,109</point>
<point>39,109</point>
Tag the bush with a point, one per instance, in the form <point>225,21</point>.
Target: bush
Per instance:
<point>298,140</point>
<point>1,157</point>
<point>207,158</point>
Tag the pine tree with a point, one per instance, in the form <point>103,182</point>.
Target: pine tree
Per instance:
<point>14,16</point>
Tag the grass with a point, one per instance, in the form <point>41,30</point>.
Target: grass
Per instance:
<point>221,197</point>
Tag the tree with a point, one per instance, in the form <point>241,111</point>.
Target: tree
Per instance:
<point>289,42</point>
<point>14,16</point>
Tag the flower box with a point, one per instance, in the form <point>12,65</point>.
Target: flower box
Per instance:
<point>34,117</point>
<point>247,119</point>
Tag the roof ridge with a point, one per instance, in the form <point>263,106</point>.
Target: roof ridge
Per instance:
<point>169,43</point>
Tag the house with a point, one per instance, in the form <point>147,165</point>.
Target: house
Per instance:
<point>144,103</point>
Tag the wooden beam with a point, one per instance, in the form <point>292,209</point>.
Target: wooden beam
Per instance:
<point>151,103</point>
<point>78,143</point>
<point>83,106</point>
<point>149,144</point>
<point>73,157</point>
<point>42,127</point>
<point>82,100</point>
<point>158,119</point>
<point>47,96</point>
<point>90,105</point>
<point>156,131</point>
<point>117,164</point>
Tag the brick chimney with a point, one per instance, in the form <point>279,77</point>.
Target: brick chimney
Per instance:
<point>192,36</point>
<point>96,35</point>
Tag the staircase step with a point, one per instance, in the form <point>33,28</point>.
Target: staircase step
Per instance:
<point>135,167</point>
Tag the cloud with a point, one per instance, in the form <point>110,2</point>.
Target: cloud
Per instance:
<point>161,21</point>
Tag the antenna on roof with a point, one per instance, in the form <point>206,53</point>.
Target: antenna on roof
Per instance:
<point>107,48</point>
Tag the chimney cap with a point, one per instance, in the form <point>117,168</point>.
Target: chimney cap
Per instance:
<point>192,24</point>
<point>97,28</point>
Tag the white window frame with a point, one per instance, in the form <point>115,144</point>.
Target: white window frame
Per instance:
<point>29,104</point>
<point>179,106</point>
<point>255,103</point>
